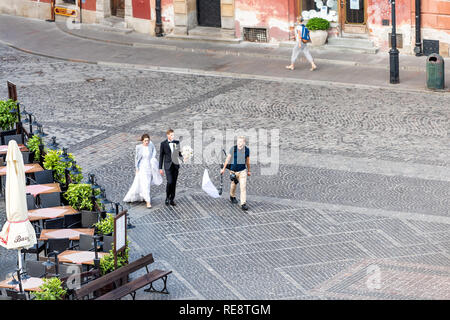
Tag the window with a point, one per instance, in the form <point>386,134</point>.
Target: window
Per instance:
<point>326,9</point>
<point>70,1</point>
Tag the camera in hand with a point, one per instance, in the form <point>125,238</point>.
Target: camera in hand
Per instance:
<point>234,178</point>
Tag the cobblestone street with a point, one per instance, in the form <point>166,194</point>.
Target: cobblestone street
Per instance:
<point>362,190</point>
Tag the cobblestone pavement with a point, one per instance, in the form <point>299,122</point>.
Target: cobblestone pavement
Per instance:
<point>359,207</point>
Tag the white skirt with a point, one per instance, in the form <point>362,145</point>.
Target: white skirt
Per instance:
<point>140,190</point>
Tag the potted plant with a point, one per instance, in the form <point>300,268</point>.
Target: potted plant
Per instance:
<point>79,196</point>
<point>33,145</point>
<point>107,265</point>
<point>107,261</point>
<point>7,119</point>
<point>318,31</point>
<point>51,290</point>
<point>52,161</point>
<point>106,225</point>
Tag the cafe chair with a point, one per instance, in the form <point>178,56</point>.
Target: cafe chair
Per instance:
<point>66,270</point>
<point>42,177</point>
<point>35,269</point>
<point>28,157</point>
<point>31,202</point>
<point>47,200</point>
<point>55,223</point>
<point>72,220</point>
<point>17,137</point>
<point>37,248</point>
<point>88,218</point>
<point>6,133</point>
<point>58,245</point>
<point>86,243</point>
<point>15,295</point>
<point>108,242</point>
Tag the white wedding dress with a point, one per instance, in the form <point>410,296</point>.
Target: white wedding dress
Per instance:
<point>148,174</point>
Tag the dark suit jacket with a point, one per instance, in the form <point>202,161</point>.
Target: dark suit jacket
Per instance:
<point>165,155</point>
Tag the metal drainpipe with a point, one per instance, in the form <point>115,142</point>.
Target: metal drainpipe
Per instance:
<point>158,25</point>
<point>418,48</point>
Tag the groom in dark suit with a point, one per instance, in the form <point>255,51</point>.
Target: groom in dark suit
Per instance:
<point>169,153</point>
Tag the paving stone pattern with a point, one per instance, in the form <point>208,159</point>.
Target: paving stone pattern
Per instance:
<point>312,231</point>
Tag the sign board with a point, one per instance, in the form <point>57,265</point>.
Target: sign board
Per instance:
<point>323,12</point>
<point>12,91</point>
<point>65,12</point>
<point>354,4</point>
<point>120,234</point>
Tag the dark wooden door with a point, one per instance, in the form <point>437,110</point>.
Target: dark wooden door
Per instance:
<point>208,13</point>
<point>118,8</point>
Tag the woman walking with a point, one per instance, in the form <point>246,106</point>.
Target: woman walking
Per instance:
<point>300,45</point>
<point>145,160</point>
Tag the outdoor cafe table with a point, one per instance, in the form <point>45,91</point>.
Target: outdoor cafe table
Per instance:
<point>30,284</point>
<point>36,189</point>
<point>50,213</point>
<point>4,148</point>
<point>29,168</point>
<point>72,234</point>
<point>79,257</point>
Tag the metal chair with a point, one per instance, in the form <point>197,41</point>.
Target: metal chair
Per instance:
<point>35,249</point>
<point>56,223</point>
<point>86,243</point>
<point>6,133</point>
<point>35,269</point>
<point>108,242</point>
<point>17,137</point>
<point>15,295</point>
<point>72,220</point>
<point>58,245</point>
<point>28,157</point>
<point>47,200</point>
<point>45,176</point>
<point>31,202</point>
<point>88,218</point>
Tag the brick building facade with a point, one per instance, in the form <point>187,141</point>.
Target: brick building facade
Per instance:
<point>270,20</point>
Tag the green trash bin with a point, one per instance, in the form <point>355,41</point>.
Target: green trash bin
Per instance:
<point>435,72</point>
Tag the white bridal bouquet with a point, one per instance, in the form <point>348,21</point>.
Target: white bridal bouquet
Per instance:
<point>187,153</point>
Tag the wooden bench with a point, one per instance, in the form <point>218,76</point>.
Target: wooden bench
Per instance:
<point>118,278</point>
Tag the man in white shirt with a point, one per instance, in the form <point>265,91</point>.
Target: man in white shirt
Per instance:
<point>300,46</point>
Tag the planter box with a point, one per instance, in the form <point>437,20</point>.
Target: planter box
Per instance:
<point>318,37</point>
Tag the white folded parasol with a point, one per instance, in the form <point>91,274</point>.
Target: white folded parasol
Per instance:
<point>17,232</point>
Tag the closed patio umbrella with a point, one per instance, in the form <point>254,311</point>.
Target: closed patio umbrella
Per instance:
<point>17,233</point>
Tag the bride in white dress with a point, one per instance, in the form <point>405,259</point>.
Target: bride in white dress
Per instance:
<point>147,172</point>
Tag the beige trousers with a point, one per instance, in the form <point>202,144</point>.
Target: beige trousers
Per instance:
<point>242,177</point>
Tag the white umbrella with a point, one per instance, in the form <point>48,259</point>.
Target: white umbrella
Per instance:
<point>17,232</point>
<point>208,186</point>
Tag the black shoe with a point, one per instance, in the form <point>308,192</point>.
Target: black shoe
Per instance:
<point>244,207</point>
<point>172,203</point>
<point>167,202</point>
<point>233,200</point>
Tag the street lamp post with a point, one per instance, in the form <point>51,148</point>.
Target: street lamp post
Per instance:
<point>393,53</point>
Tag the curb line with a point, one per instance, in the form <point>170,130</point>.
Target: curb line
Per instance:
<point>235,53</point>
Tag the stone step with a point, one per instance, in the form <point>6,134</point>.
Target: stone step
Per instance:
<point>204,38</point>
<point>354,49</point>
<point>107,28</point>
<point>350,42</point>
<point>212,32</point>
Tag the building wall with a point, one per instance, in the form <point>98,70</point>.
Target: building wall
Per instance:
<point>275,15</point>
